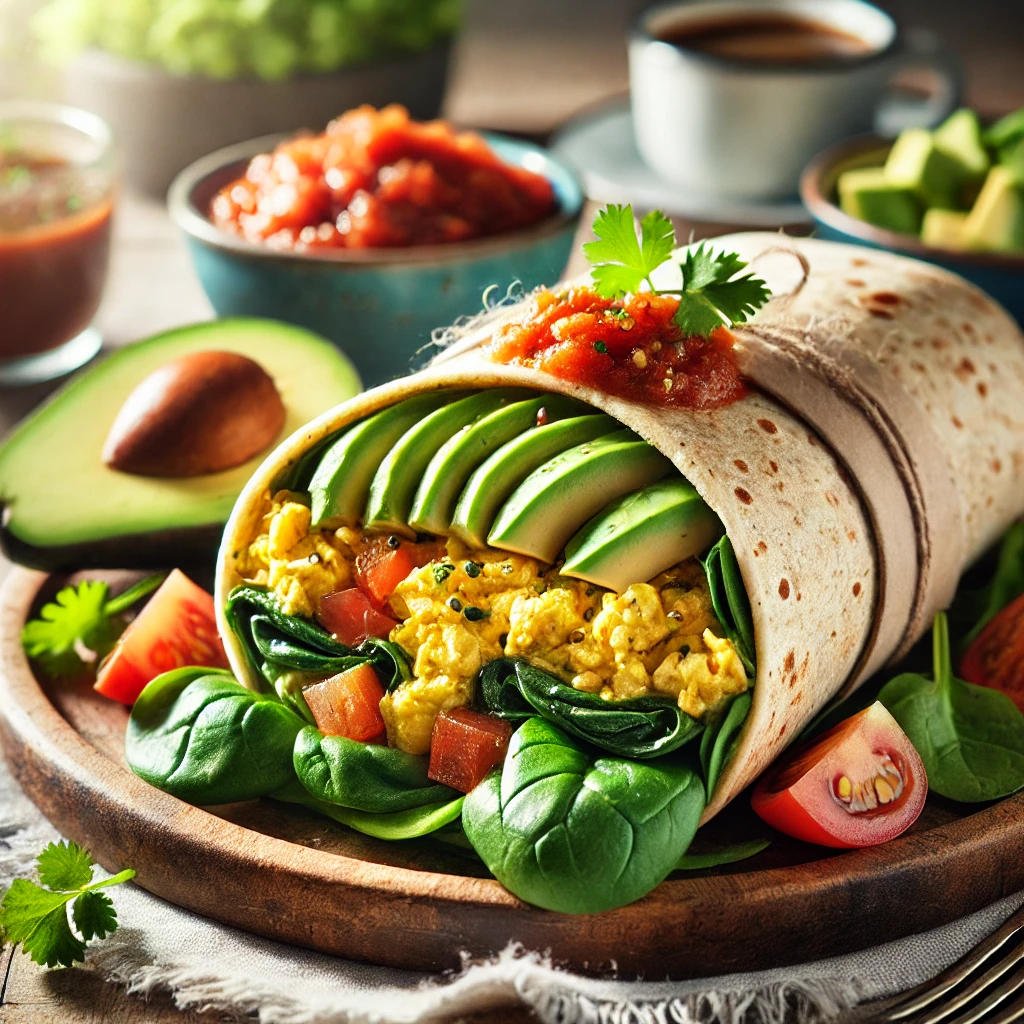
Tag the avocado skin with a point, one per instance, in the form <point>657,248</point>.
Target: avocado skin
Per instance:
<point>178,547</point>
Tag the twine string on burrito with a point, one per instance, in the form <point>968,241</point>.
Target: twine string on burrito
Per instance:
<point>805,266</point>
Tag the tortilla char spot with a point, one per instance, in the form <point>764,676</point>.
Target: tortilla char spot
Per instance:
<point>856,589</point>
<point>939,344</point>
<point>772,719</point>
<point>887,298</point>
<point>851,534</point>
<point>996,466</point>
<point>789,662</point>
<point>982,388</point>
<point>881,312</point>
<point>762,547</point>
<point>799,596</point>
<point>832,498</point>
<point>740,465</point>
<point>833,636</point>
<point>812,440</point>
<point>856,282</point>
<point>858,262</point>
<point>967,328</point>
<point>918,366</point>
<point>784,588</point>
<point>964,369</point>
<point>782,731</point>
<point>774,465</point>
<point>767,426</point>
<point>958,423</point>
<point>988,501</point>
<point>796,700</point>
<point>743,495</point>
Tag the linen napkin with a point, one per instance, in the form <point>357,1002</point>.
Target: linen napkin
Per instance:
<point>207,965</point>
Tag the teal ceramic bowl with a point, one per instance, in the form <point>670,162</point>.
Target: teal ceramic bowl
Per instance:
<point>1002,276</point>
<point>378,305</point>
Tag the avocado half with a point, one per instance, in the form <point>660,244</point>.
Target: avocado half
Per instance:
<point>64,509</point>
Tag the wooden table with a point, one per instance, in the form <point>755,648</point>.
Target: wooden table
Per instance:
<point>509,76</point>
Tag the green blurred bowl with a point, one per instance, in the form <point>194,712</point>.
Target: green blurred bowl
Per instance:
<point>378,305</point>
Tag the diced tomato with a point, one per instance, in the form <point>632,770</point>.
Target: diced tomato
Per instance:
<point>996,657</point>
<point>387,561</point>
<point>177,627</point>
<point>859,784</point>
<point>464,746</point>
<point>351,617</point>
<point>348,704</point>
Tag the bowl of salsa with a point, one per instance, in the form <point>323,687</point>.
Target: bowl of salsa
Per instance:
<point>377,231</point>
<point>57,183</point>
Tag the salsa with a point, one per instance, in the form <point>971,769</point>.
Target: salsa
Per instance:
<point>54,244</point>
<point>376,179</point>
<point>626,347</point>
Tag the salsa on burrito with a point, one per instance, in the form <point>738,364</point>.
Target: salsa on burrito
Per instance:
<point>376,179</point>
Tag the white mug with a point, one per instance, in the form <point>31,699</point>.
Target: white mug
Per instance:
<point>745,130</point>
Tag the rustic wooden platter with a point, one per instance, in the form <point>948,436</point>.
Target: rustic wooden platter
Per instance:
<point>295,877</point>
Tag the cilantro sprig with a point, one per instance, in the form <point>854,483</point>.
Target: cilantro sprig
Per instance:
<point>36,915</point>
<point>712,294</point>
<point>81,625</point>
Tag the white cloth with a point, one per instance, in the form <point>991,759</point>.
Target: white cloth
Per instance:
<point>204,964</point>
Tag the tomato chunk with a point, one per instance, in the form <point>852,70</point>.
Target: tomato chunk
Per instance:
<point>348,704</point>
<point>996,657</point>
<point>177,627</point>
<point>464,746</point>
<point>350,616</point>
<point>387,561</point>
<point>859,784</point>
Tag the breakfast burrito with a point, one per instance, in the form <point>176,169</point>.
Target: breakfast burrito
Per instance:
<point>577,517</point>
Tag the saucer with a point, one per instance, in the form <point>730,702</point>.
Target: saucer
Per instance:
<point>600,146</point>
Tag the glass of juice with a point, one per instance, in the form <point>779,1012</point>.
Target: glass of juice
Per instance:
<point>58,176</point>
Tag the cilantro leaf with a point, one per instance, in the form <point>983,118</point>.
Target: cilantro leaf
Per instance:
<point>712,295</point>
<point>37,917</point>
<point>620,262</point>
<point>80,625</point>
<point>64,866</point>
<point>94,915</point>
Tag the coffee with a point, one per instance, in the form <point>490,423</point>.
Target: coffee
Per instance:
<point>764,38</point>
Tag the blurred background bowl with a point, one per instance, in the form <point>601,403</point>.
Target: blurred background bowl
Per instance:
<point>164,121</point>
<point>999,274</point>
<point>378,305</point>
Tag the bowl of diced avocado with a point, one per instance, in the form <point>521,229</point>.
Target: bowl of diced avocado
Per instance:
<point>953,195</point>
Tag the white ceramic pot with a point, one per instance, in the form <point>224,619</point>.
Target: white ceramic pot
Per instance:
<point>164,122</point>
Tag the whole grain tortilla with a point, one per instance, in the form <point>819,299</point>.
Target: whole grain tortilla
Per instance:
<point>854,485</point>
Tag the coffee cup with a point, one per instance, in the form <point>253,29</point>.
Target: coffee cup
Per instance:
<point>732,98</point>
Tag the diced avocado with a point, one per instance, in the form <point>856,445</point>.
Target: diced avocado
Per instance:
<point>501,473</point>
<point>943,228</point>
<point>960,138</point>
<point>341,482</point>
<point>399,473</point>
<point>456,459</point>
<point>554,501</point>
<point>997,220</point>
<point>868,196</point>
<point>641,534</point>
<point>1006,131</point>
<point>1012,156</point>
<point>917,163</point>
<point>65,509</point>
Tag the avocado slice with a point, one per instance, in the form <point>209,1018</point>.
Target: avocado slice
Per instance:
<point>341,483</point>
<point>64,509</point>
<point>867,195</point>
<point>641,534</point>
<point>501,473</point>
<point>456,459</point>
<point>960,138</point>
<point>394,484</point>
<point>917,163</point>
<point>996,221</point>
<point>943,228</point>
<point>550,505</point>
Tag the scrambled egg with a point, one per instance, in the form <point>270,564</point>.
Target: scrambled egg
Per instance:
<point>459,613</point>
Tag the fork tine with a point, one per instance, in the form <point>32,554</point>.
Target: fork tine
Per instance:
<point>900,1007</point>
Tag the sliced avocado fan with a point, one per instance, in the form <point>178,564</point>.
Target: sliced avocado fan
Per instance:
<point>641,534</point>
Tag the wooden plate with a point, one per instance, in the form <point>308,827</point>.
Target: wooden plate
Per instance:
<point>295,877</point>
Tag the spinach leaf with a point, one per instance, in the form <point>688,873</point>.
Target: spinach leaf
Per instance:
<point>201,736</point>
<point>726,855</point>
<point>973,610</point>
<point>364,776</point>
<point>730,601</point>
<point>718,743</point>
<point>278,645</point>
<point>570,832</point>
<point>641,727</point>
<point>393,826</point>
<point>970,738</point>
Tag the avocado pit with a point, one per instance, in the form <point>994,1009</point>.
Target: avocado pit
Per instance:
<point>202,413</point>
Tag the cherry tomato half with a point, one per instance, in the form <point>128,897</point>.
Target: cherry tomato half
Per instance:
<point>859,784</point>
<point>177,627</point>
<point>388,561</point>
<point>996,657</point>
<point>350,617</point>
<point>348,704</point>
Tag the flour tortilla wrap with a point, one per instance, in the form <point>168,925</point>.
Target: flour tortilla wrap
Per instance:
<point>832,599</point>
